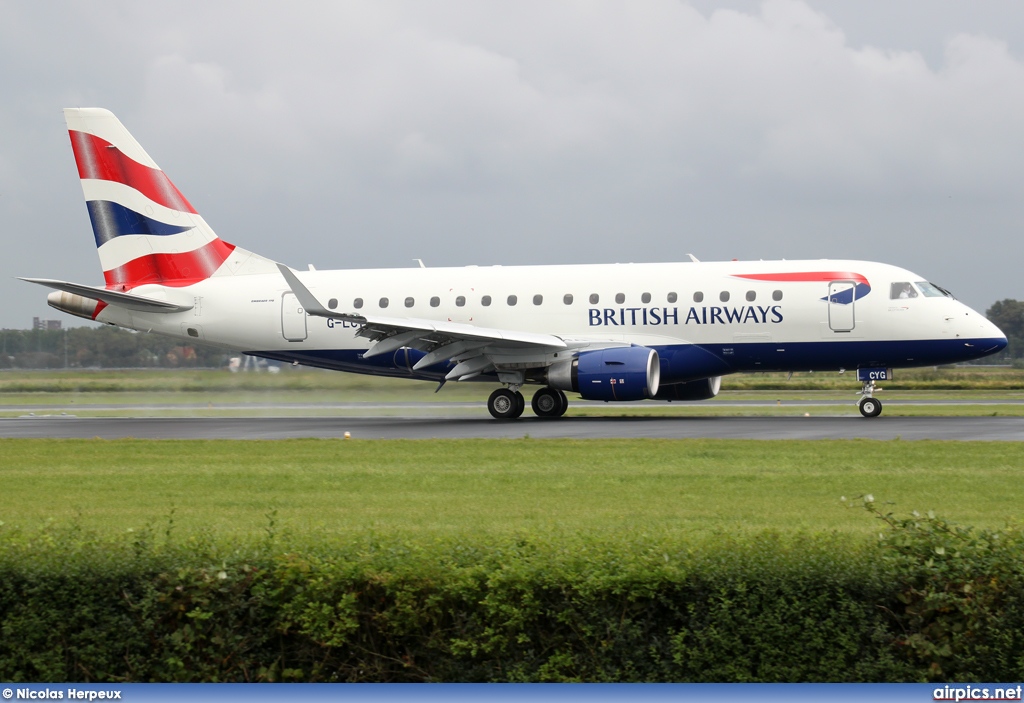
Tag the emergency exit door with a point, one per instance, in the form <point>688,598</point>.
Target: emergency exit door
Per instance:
<point>293,318</point>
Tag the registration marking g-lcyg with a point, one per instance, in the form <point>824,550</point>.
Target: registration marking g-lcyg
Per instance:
<point>864,375</point>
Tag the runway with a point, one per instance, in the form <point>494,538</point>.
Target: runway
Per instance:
<point>882,428</point>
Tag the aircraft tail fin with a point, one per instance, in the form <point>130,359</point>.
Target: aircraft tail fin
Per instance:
<point>146,231</point>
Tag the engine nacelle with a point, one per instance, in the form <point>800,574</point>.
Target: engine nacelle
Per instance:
<point>73,304</point>
<point>620,373</point>
<point>702,389</point>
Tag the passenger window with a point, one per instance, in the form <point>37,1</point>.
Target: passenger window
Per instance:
<point>460,301</point>
<point>383,302</point>
<point>409,302</point>
<point>777,295</point>
<point>724,296</point>
<point>645,298</point>
<point>512,300</point>
<point>357,303</point>
<point>594,298</point>
<point>672,297</point>
<point>751,296</point>
<point>567,299</point>
<point>620,298</point>
<point>435,301</point>
<point>538,299</point>
<point>698,297</point>
<point>485,301</point>
<point>902,290</point>
<point>332,303</point>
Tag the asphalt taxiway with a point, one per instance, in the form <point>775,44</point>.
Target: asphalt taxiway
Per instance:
<point>847,427</point>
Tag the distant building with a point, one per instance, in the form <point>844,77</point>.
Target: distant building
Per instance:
<point>38,324</point>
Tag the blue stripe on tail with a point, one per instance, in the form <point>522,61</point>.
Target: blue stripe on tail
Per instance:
<point>111,220</point>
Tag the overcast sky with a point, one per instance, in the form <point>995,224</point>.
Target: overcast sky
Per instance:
<point>364,134</point>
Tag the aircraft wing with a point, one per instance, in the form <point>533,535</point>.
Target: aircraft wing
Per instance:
<point>111,297</point>
<point>475,349</point>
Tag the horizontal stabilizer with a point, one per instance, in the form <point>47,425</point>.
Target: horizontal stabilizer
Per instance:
<point>110,297</point>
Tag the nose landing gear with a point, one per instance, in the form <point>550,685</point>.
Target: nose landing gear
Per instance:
<point>869,405</point>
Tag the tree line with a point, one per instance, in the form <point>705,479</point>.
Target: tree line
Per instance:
<point>102,347</point>
<point>1008,315</point>
<point>113,347</point>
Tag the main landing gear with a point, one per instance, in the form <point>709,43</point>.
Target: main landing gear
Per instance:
<point>549,402</point>
<point>869,405</point>
<point>508,404</point>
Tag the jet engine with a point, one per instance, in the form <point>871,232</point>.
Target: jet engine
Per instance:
<point>73,304</point>
<point>619,373</point>
<point>701,389</point>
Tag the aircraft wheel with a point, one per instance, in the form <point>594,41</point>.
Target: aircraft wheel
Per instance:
<point>870,407</point>
<point>505,404</point>
<point>564,402</point>
<point>549,402</point>
<point>520,404</point>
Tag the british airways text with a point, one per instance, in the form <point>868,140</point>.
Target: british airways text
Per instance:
<point>708,315</point>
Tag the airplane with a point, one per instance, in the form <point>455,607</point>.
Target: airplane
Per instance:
<point>609,332</point>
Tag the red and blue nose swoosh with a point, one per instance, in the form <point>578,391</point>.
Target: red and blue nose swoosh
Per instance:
<point>860,288</point>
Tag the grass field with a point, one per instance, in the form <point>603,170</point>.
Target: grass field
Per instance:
<point>448,487</point>
<point>316,489</point>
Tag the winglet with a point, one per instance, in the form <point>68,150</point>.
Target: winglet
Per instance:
<point>309,302</point>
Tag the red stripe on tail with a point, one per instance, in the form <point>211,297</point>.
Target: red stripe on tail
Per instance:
<point>176,270</point>
<point>99,308</point>
<point>99,159</point>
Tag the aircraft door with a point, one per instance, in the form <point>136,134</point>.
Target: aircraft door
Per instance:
<point>463,304</point>
<point>293,318</point>
<point>840,305</point>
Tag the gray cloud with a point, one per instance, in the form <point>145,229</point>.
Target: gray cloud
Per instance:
<point>365,134</point>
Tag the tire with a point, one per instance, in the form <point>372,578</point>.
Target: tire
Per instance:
<point>505,405</point>
<point>564,401</point>
<point>870,407</point>
<point>547,403</point>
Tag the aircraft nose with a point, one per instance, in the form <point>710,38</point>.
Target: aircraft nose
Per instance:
<point>993,333</point>
<point>999,337</point>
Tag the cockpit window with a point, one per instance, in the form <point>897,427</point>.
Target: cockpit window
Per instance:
<point>930,290</point>
<point>902,289</point>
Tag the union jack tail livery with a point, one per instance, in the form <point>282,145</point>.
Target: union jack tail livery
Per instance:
<point>146,231</point>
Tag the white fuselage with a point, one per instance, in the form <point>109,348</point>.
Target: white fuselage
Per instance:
<point>742,316</point>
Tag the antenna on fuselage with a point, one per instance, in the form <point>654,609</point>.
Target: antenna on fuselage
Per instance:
<point>693,258</point>
<point>420,262</point>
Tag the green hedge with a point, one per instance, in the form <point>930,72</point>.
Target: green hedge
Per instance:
<point>929,601</point>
